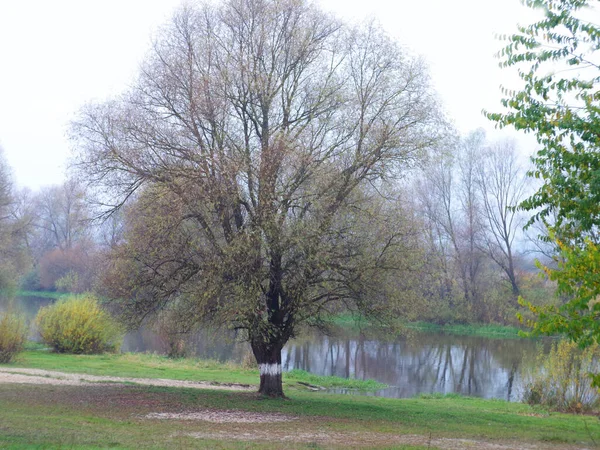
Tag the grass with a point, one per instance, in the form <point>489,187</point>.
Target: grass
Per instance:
<point>43,294</point>
<point>489,330</point>
<point>113,415</point>
<point>144,365</point>
<point>485,330</point>
<point>332,382</point>
<point>105,416</point>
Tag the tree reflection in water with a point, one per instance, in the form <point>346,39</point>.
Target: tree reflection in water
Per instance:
<point>418,363</point>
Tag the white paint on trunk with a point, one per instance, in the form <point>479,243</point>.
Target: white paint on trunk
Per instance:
<point>270,369</point>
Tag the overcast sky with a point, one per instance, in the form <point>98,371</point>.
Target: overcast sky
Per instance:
<point>57,55</point>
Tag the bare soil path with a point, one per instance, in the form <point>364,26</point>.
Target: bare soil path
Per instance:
<point>38,376</point>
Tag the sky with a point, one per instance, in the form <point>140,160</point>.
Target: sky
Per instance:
<point>56,56</point>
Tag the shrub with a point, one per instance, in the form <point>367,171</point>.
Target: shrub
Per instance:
<point>172,333</point>
<point>249,360</point>
<point>68,282</point>
<point>78,325</point>
<point>31,281</point>
<point>561,379</point>
<point>13,334</point>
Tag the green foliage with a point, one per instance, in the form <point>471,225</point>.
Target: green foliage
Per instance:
<point>78,325</point>
<point>68,282</point>
<point>13,335</point>
<point>31,281</point>
<point>577,278</point>
<point>560,380</point>
<point>560,104</point>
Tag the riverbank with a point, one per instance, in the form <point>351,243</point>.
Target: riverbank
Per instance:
<point>353,322</point>
<point>143,365</point>
<point>129,415</point>
<point>43,294</point>
<point>484,330</point>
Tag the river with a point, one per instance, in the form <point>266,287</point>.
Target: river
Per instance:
<point>410,364</point>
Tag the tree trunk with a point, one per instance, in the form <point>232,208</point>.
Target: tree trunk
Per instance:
<point>268,357</point>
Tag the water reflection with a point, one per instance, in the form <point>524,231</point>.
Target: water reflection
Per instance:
<point>419,363</point>
<point>411,364</point>
<point>28,306</point>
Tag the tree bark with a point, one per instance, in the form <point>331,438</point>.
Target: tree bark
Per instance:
<point>268,357</point>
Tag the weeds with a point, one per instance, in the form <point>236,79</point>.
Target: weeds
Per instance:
<point>561,379</point>
<point>13,335</point>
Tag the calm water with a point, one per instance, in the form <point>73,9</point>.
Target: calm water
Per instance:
<point>410,364</point>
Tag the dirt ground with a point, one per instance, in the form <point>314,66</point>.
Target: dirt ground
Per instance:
<point>37,376</point>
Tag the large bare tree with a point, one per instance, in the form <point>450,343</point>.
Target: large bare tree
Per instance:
<point>62,216</point>
<point>451,207</point>
<point>256,143</point>
<point>503,184</point>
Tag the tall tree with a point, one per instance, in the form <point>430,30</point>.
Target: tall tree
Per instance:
<point>63,215</point>
<point>452,207</point>
<point>13,228</point>
<point>64,240</point>
<point>255,142</point>
<point>559,102</point>
<point>472,227</point>
<point>502,184</point>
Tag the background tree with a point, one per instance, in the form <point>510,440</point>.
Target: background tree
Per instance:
<point>13,244</point>
<point>64,242</point>
<point>255,143</point>
<point>63,215</point>
<point>502,184</point>
<point>450,200</point>
<point>559,102</point>
<point>467,196</point>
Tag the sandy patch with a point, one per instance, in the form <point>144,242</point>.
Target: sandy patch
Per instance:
<point>37,376</point>
<point>216,416</point>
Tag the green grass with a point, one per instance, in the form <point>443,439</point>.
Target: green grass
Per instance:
<point>113,415</point>
<point>489,330</point>
<point>332,381</point>
<point>485,330</point>
<point>43,294</point>
<point>143,365</point>
<point>103,416</point>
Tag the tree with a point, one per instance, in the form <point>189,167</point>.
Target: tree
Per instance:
<point>13,249</point>
<point>63,215</point>
<point>560,104</point>
<point>64,242</point>
<point>502,186</point>
<point>451,203</point>
<point>255,144</point>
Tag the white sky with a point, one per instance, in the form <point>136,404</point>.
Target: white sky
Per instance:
<point>57,55</point>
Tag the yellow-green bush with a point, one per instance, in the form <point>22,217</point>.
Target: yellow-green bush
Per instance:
<point>78,325</point>
<point>13,334</point>
<point>561,379</point>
